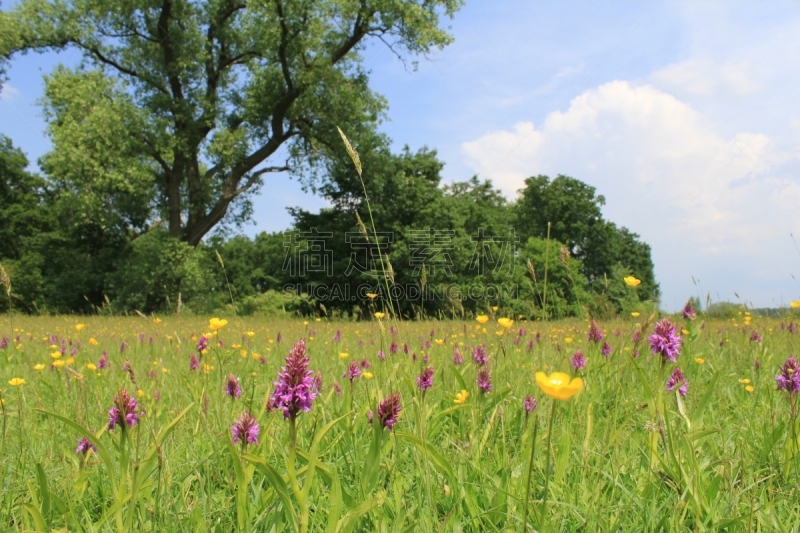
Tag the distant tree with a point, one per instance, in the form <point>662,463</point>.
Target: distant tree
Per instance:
<point>180,109</point>
<point>573,210</point>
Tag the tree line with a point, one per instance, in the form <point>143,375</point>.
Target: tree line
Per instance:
<point>447,249</point>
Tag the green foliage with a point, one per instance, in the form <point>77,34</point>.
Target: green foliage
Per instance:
<point>563,290</point>
<point>158,271</point>
<point>276,304</point>
<point>200,99</point>
<point>572,209</point>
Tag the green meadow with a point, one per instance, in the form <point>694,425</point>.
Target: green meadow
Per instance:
<point>623,454</point>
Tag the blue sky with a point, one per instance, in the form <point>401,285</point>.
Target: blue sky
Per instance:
<point>684,115</point>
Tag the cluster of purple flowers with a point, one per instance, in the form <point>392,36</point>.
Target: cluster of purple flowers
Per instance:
<point>529,404</point>
<point>232,387</point>
<point>194,362</point>
<point>84,445</point>
<point>789,377</point>
<point>479,355</point>
<point>353,372</point>
<point>755,337</point>
<point>245,429</point>
<point>202,344</point>
<point>578,361</point>
<point>677,379</point>
<point>125,411</point>
<point>606,349</point>
<point>484,380</point>
<point>295,390</point>
<point>688,311</point>
<point>389,411</point>
<point>595,335</point>
<point>425,380</point>
<point>318,381</point>
<point>103,361</point>
<point>457,357</point>
<point>665,341</point>
<point>637,334</point>
<point>3,343</point>
<point>381,355</point>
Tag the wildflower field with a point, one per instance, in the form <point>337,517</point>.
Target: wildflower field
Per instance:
<point>495,424</point>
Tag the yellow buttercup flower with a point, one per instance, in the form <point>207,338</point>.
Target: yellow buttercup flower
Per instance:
<point>495,308</point>
<point>749,388</point>
<point>795,304</point>
<point>699,360</point>
<point>568,340</point>
<point>343,355</point>
<point>461,397</point>
<point>505,322</point>
<point>631,281</point>
<point>371,295</point>
<point>59,363</point>
<point>439,342</point>
<point>80,327</point>
<point>157,320</point>
<point>139,393</point>
<point>635,314</point>
<point>207,368</point>
<point>70,360</point>
<point>216,324</point>
<point>744,381</point>
<point>56,355</point>
<point>16,382</point>
<point>379,315</point>
<point>251,334</point>
<point>558,385</point>
<point>367,375</point>
<point>482,319</point>
<point>91,366</point>
<point>93,341</point>
<point>38,366</point>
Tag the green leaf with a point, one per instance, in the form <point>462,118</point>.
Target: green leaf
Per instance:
<point>336,504</point>
<point>44,491</point>
<point>38,520</point>
<point>241,486</point>
<point>312,456</point>
<point>349,521</point>
<point>102,451</point>
<point>277,482</point>
<point>436,458</point>
<point>705,401</point>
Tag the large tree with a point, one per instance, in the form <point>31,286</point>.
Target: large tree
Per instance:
<point>181,108</point>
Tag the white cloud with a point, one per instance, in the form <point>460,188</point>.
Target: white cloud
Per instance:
<point>698,197</point>
<point>708,78</point>
<point>8,92</point>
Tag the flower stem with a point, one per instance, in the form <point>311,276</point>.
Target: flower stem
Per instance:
<point>549,464</point>
<point>528,475</point>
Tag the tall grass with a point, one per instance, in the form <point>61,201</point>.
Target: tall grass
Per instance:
<point>626,455</point>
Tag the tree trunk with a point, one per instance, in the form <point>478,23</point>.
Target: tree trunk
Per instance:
<point>174,203</point>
